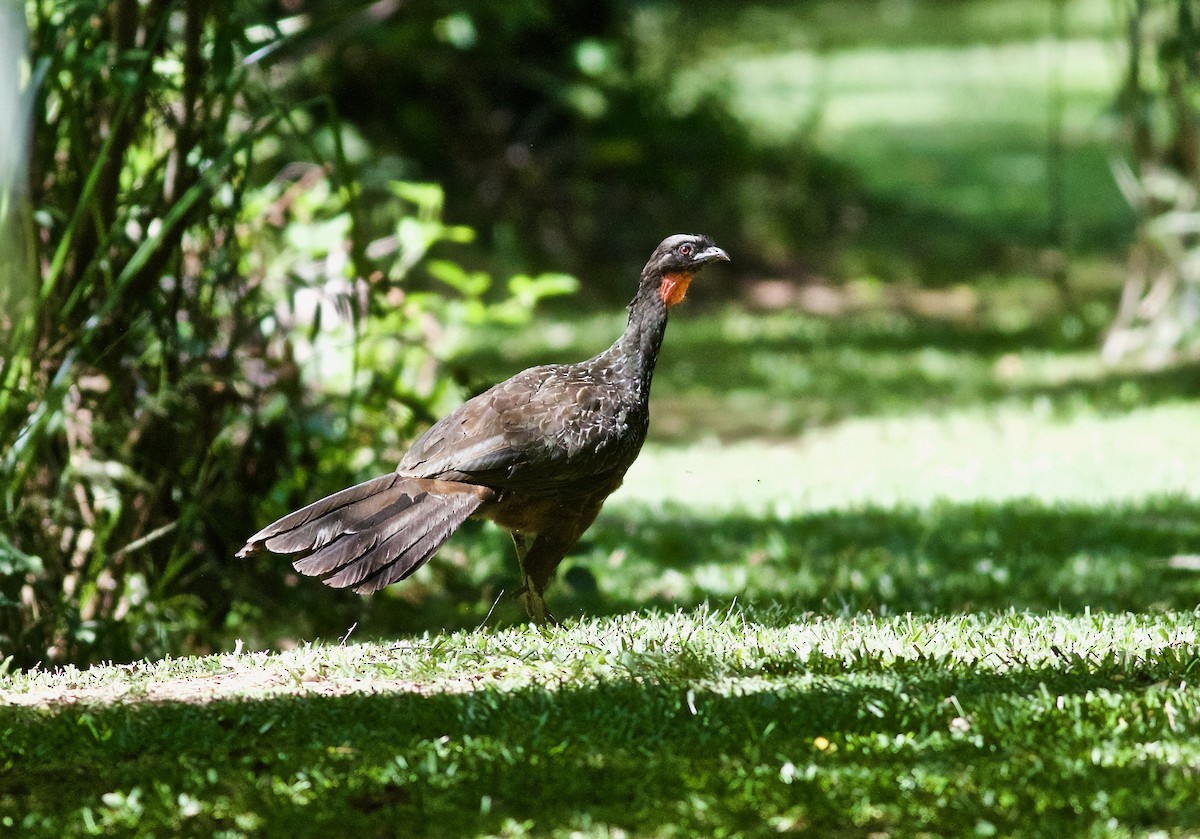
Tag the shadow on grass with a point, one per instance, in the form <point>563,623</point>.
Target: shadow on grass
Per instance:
<point>777,396</point>
<point>947,558</point>
<point>644,753</point>
<point>940,206</point>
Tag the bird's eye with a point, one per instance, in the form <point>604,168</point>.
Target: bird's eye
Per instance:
<point>686,250</point>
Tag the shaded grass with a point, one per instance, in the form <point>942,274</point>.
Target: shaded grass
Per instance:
<point>736,374</point>
<point>949,558</point>
<point>741,723</point>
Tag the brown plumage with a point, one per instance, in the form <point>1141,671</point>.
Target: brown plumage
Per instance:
<point>537,454</point>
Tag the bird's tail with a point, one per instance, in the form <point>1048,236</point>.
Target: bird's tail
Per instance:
<point>372,534</point>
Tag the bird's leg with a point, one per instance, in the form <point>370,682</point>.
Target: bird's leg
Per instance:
<point>531,592</point>
<point>522,542</point>
<point>535,605</point>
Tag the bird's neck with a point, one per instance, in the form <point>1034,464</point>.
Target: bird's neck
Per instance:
<point>636,351</point>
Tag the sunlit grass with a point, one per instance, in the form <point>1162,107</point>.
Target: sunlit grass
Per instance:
<point>981,456</point>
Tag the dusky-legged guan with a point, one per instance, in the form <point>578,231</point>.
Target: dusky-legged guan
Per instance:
<point>537,454</point>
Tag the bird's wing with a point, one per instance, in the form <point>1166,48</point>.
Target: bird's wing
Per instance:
<point>543,427</point>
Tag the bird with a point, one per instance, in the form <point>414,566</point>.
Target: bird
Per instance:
<point>537,454</point>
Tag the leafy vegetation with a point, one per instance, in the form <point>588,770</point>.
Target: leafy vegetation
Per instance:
<point>118,359</point>
<point>197,337</point>
<point>555,139</point>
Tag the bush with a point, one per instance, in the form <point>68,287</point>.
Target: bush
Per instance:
<point>557,143</point>
<point>172,350</point>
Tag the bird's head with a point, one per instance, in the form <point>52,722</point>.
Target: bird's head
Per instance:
<point>675,262</point>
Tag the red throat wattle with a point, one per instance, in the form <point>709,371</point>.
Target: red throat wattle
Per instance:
<point>674,287</point>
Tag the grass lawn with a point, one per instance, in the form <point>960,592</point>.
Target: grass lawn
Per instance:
<point>885,574</point>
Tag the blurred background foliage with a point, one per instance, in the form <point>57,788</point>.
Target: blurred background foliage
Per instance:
<point>255,246</point>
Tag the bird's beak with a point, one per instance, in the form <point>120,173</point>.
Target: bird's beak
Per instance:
<point>712,254</point>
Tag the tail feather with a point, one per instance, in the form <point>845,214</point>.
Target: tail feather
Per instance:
<point>364,537</point>
<point>372,534</point>
<point>323,530</point>
<point>353,540</point>
<point>289,534</point>
<point>418,554</point>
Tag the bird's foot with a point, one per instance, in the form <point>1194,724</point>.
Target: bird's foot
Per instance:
<point>535,606</point>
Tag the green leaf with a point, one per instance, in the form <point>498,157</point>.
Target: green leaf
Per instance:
<point>467,283</point>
